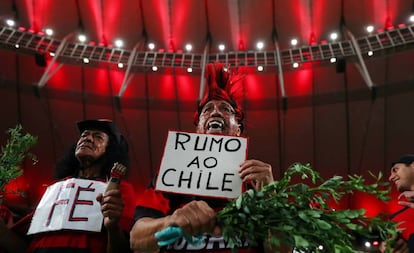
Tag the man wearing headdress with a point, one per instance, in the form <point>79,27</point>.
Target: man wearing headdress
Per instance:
<point>218,113</point>
<point>81,199</point>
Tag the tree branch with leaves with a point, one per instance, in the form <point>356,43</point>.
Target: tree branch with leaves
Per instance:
<point>299,215</point>
<point>13,153</point>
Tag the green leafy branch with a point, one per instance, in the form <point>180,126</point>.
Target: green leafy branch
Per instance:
<point>12,154</point>
<point>299,215</point>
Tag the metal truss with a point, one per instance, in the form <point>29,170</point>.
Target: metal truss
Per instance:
<point>400,38</point>
<point>66,52</point>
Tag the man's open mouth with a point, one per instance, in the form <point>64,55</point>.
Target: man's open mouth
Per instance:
<point>215,125</point>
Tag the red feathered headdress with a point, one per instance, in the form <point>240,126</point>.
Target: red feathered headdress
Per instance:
<point>221,85</point>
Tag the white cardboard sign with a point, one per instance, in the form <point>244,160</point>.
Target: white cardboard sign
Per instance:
<point>202,164</point>
<point>69,204</point>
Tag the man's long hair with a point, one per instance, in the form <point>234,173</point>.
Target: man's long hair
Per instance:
<point>69,165</point>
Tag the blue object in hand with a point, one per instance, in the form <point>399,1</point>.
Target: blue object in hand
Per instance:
<point>172,233</point>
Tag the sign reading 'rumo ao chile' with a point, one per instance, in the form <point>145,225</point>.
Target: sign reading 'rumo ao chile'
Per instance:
<point>202,164</point>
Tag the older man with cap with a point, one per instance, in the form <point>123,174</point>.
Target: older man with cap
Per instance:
<point>218,113</point>
<point>402,175</point>
<point>83,211</point>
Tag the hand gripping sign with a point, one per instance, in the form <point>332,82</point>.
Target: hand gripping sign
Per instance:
<point>202,164</point>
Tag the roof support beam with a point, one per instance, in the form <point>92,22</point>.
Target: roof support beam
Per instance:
<point>362,68</point>
<point>51,69</point>
<point>280,69</point>
<point>203,69</point>
<point>128,76</point>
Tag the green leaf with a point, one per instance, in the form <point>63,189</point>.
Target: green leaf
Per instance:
<point>323,224</point>
<point>300,241</point>
<point>250,192</point>
<point>239,202</point>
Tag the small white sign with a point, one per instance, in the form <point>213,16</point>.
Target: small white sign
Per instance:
<point>69,204</point>
<point>202,164</point>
